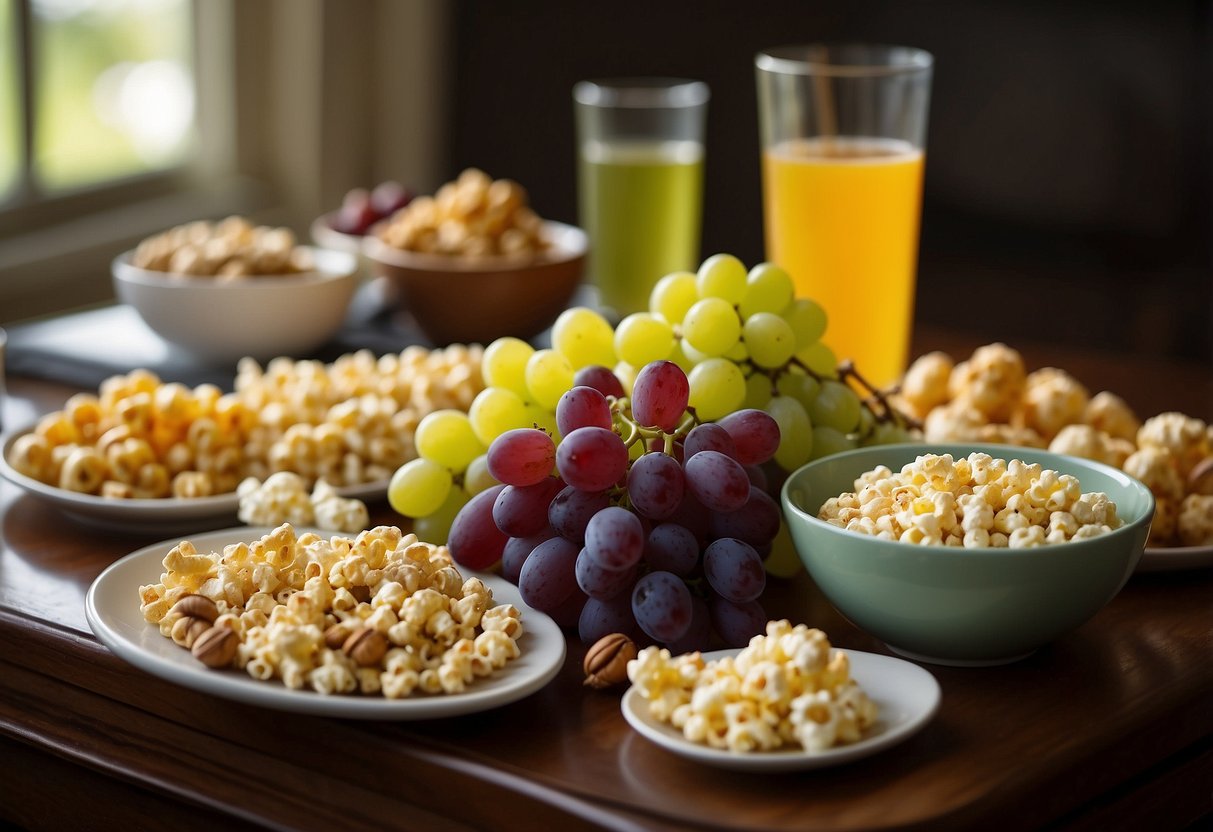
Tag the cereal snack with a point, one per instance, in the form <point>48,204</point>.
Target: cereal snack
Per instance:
<point>227,250</point>
<point>788,688</point>
<point>381,613</point>
<point>978,502</point>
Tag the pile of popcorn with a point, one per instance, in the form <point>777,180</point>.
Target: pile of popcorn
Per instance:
<point>227,250</point>
<point>474,216</point>
<point>293,601</point>
<point>977,502</point>
<point>284,498</point>
<point>990,397</point>
<point>788,688</point>
<point>347,423</point>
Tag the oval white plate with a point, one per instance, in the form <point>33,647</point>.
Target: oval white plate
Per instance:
<point>1174,559</point>
<point>167,515</point>
<point>907,696</point>
<point>112,609</point>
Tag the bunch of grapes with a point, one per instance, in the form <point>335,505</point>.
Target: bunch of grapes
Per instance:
<point>652,519</point>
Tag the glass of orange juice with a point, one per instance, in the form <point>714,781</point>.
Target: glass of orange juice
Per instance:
<point>843,131</point>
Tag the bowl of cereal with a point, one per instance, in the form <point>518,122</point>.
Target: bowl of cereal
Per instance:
<point>473,262</point>
<point>222,291</point>
<point>966,554</point>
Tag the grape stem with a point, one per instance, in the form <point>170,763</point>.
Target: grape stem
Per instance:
<point>876,399</point>
<point>631,432</point>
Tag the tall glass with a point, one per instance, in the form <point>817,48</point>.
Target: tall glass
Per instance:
<point>843,141</point>
<point>640,182</point>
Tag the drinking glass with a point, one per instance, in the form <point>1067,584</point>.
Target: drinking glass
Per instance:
<point>640,182</point>
<point>843,131</point>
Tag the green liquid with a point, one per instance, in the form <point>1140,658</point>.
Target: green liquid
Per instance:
<point>640,205</point>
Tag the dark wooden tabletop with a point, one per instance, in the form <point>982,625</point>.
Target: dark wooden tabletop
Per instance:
<point>1109,727</point>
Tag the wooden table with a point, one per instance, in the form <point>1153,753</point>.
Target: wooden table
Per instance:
<point>1110,727</point>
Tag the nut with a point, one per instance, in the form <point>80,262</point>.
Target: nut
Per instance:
<point>335,636</point>
<point>216,647</point>
<point>1200,478</point>
<point>366,646</point>
<point>187,629</point>
<point>196,606</point>
<point>606,662</point>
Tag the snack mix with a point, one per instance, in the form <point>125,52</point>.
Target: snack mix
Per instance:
<point>788,688</point>
<point>379,614</point>
<point>226,250</point>
<point>978,502</point>
<point>474,216</point>
<point>990,397</point>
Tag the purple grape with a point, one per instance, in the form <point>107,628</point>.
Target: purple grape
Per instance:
<point>523,456</point>
<point>591,459</point>
<point>755,435</point>
<point>708,437</point>
<point>657,445</point>
<point>661,603</point>
<point>601,617</point>
<point>600,583</point>
<point>757,522</point>
<point>758,477</point>
<point>736,624</point>
<point>601,379</point>
<point>518,549</point>
<point>475,541</point>
<point>699,635</point>
<point>567,613</point>
<point>734,570</point>
<point>521,511</point>
<point>716,481</point>
<point>656,485</point>
<point>672,548</point>
<point>659,395</point>
<point>549,576</point>
<point>693,516</point>
<point>582,407</point>
<point>571,510</point>
<point>614,538</point>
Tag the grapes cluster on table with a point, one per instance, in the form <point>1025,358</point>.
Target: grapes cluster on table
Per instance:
<point>623,477</point>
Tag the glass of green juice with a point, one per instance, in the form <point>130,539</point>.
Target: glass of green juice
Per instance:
<point>640,182</point>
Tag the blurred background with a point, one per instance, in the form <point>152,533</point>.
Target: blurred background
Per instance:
<point>1069,177</point>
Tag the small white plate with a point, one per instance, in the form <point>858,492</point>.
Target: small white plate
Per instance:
<point>906,695</point>
<point>1174,559</point>
<point>112,609</point>
<point>162,516</point>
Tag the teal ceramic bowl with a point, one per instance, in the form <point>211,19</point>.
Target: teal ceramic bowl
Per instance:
<point>960,606</point>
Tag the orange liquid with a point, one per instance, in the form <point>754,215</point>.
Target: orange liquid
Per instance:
<point>842,216</point>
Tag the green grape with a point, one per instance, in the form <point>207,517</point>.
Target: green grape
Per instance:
<point>866,426</point>
<point>446,437</point>
<point>504,364</point>
<point>680,357</point>
<point>711,326</point>
<point>836,406</point>
<point>887,433</point>
<point>827,441</point>
<point>757,391</point>
<point>738,353</point>
<point>626,374</point>
<point>768,288</point>
<point>542,418</point>
<point>819,358</point>
<point>796,434</point>
<point>783,562</point>
<point>477,477</point>
<point>803,388</point>
<point>584,337</point>
<point>717,388</point>
<point>643,337</point>
<point>721,276</point>
<point>807,319</point>
<point>769,339</point>
<point>419,487</point>
<point>673,295</point>
<point>692,355</point>
<point>548,376</point>
<point>494,411</point>
<point>436,527</point>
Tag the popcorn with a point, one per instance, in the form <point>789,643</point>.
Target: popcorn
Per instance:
<point>1053,399</point>
<point>787,688</point>
<point>1194,524</point>
<point>226,250</point>
<point>978,502</point>
<point>434,642</point>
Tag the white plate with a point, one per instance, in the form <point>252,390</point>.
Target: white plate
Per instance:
<point>1174,559</point>
<point>167,515</point>
<point>906,695</point>
<point>112,609</point>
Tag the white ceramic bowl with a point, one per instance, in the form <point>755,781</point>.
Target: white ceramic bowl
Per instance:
<point>262,317</point>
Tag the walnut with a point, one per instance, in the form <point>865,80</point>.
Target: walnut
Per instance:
<point>196,606</point>
<point>365,646</point>
<point>606,662</point>
<point>216,647</point>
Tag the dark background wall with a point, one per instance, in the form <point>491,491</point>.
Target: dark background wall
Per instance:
<point>1069,181</point>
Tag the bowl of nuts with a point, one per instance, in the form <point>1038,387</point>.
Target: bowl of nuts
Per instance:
<point>473,262</point>
<point>222,291</point>
<point>966,554</point>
